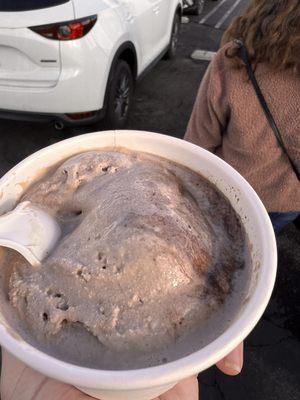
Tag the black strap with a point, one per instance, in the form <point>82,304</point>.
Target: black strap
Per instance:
<point>245,57</point>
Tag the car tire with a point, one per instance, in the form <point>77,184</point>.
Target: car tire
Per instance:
<point>198,8</point>
<point>172,49</point>
<point>119,96</point>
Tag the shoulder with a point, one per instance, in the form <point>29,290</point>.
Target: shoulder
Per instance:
<point>221,60</point>
<point>220,73</point>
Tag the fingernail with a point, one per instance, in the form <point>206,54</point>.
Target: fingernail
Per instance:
<point>233,366</point>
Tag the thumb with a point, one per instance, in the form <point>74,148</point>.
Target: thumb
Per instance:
<point>232,364</point>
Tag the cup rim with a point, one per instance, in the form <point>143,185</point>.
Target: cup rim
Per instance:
<point>185,366</point>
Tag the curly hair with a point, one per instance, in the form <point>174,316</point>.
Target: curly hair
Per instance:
<point>270,29</point>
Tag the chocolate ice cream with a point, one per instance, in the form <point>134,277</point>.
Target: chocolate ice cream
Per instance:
<point>148,255</point>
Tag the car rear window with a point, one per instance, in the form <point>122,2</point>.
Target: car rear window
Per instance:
<point>29,5</point>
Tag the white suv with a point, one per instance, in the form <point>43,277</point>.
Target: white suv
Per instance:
<point>76,61</point>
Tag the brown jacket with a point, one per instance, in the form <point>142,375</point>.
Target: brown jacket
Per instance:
<point>228,120</point>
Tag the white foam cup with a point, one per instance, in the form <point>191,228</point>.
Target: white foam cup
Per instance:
<point>148,383</point>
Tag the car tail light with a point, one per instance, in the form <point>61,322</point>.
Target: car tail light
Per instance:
<point>69,30</point>
<point>82,115</point>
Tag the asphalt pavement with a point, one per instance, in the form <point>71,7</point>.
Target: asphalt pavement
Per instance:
<point>219,14</point>
<point>163,103</point>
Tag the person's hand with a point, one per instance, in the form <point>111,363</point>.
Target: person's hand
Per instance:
<point>19,382</point>
<point>232,364</point>
<point>188,389</point>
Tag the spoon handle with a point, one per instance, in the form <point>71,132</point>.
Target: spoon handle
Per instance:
<point>30,231</point>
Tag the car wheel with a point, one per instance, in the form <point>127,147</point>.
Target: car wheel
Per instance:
<point>172,49</point>
<point>119,99</point>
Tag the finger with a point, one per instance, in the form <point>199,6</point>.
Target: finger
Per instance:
<point>19,382</point>
<point>232,364</point>
<point>74,394</point>
<point>12,369</point>
<point>184,390</point>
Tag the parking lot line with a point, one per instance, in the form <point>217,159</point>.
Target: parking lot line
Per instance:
<point>205,18</point>
<point>203,55</point>
<point>226,15</point>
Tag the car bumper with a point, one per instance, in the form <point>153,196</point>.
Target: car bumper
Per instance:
<point>52,118</point>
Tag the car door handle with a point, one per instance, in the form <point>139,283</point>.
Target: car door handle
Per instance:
<point>156,9</point>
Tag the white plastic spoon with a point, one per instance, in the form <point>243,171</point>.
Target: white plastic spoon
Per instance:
<point>30,231</point>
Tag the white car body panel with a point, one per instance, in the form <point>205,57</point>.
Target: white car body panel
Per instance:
<point>28,60</point>
<point>82,8</point>
<point>23,59</point>
<point>163,21</point>
<point>138,20</point>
